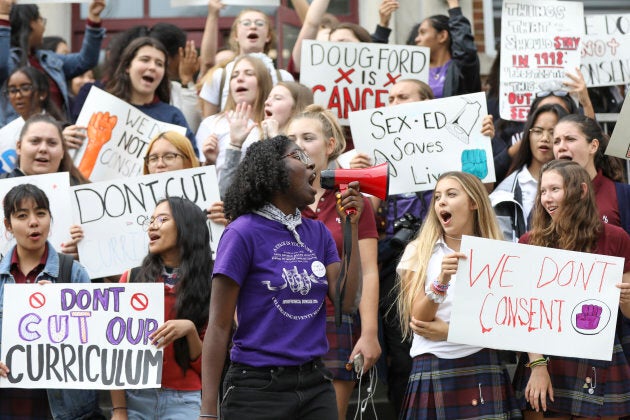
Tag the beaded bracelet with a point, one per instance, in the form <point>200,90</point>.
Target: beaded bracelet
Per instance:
<point>543,361</point>
<point>438,292</point>
<point>440,287</point>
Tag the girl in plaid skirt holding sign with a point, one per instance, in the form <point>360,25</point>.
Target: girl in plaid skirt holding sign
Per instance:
<point>566,217</point>
<point>448,380</point>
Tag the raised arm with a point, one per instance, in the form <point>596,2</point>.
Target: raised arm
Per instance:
<point>309,29</point>
<point>209,40</point>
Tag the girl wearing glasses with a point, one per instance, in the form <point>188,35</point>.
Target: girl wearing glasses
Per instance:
<point>180,258</point>
<point>250,84</point>
<point>318,133</point>
<point>252,34</point>
<point>275,268</point>
<point>21,43</point>
<point>513,199</point>
<point>34,260</point>
<point>566,216</point>
<point>28,92</point>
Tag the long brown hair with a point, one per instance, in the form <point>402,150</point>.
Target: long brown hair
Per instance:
<point>120,84</point>
<point>264,85</point>
<point>577,227</point>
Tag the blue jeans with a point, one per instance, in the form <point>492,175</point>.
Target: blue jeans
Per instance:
<point>162,404</point>
<point>278,393</point>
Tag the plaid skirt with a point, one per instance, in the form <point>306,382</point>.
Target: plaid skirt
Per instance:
<point>472,387</point>
<point>341,341</point>
<point>582,387</point>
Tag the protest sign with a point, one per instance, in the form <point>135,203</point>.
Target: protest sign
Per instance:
<point>604,61</point>
<point>82,335</point>
<point>9,135</point>
<point>57,189</point>
<point>527,298</point>
<point>112,214</point>
<point>540,42</point>
<point>348,76</point>
<point>421,140</point>
<point>619,144</point>
<point>117,137</point>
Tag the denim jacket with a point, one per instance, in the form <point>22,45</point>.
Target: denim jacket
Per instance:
<point>59,67</point>
<point>65,404</point>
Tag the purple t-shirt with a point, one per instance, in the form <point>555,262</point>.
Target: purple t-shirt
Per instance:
<point>437,78</point>
<point>280,307</point>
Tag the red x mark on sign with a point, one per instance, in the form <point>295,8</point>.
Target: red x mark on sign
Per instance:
<point>344,75</point>
<point>391,79</point>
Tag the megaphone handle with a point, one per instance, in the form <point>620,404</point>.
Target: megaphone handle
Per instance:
<point>350,210</point>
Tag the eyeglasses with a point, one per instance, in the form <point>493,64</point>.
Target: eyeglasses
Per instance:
<point>539,132</point>
<point>44,20</point>
<point>260,23</point>
<point>300,155</point>
<point>167,158</point>
<point>152,221</point>
<point>545,93</point>
<point>22,89</point>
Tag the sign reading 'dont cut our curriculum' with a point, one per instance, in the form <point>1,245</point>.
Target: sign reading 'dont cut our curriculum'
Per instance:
<point>82,336</point>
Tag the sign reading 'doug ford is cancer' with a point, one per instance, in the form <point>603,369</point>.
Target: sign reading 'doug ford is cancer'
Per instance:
<point>82,336</point>
<point>528,298</point>
<point>349,76</point>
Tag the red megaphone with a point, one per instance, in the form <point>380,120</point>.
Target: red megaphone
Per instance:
<point>374,180</point>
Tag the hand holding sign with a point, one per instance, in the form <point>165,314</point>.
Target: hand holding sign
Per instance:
<point>449,266</point>
<point>171,330</point>
<point>99,132</point>
<point>538,388</point>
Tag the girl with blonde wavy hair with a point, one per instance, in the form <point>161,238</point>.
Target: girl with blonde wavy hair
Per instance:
<point>445,377</point>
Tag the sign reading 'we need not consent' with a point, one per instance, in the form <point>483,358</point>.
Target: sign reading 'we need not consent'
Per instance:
<point>82,336</point>
<point>348,76</point>
<point>519,297</point>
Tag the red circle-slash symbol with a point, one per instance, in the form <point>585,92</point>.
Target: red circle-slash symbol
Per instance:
<point>139,301</point>
<point>37,300</point>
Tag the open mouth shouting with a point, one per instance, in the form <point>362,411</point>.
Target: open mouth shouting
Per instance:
<point>445,217</point>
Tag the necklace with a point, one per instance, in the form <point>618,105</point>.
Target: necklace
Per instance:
<point>452,237</point>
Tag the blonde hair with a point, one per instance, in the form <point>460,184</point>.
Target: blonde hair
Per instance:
<point>264,85</point>
<point>412,283</point>
<point>181,143</point>
<point>330,127</point>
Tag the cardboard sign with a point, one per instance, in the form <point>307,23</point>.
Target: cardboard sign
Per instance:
<point>112,214</point>
<point>348,76</point>
<point>541,300</point>
<point>117,137</point>
<point>540,43</point>
<point>619,144</point>
<point>57,189</point>
<point>82,336</point>
<point>421,140</point>
<point>9,135</point>
<point>604,60</point>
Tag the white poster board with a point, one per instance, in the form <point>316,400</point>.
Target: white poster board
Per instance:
<point>348,76</point>
<point>541,300</point>
<point>82,335</point>
<point>57,189</point>
<point>117,137</point>
<point>9,135</point>
<point>619,144</point>
<point>540,41</point>
<point>112,213</point>
<point>421,140</point>
<point>605,56</point>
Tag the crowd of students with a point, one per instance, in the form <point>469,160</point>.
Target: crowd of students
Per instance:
<point>236,345</point>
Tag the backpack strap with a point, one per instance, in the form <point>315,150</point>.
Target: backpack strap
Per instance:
<point>65,268</point>
<point>133,274</point>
